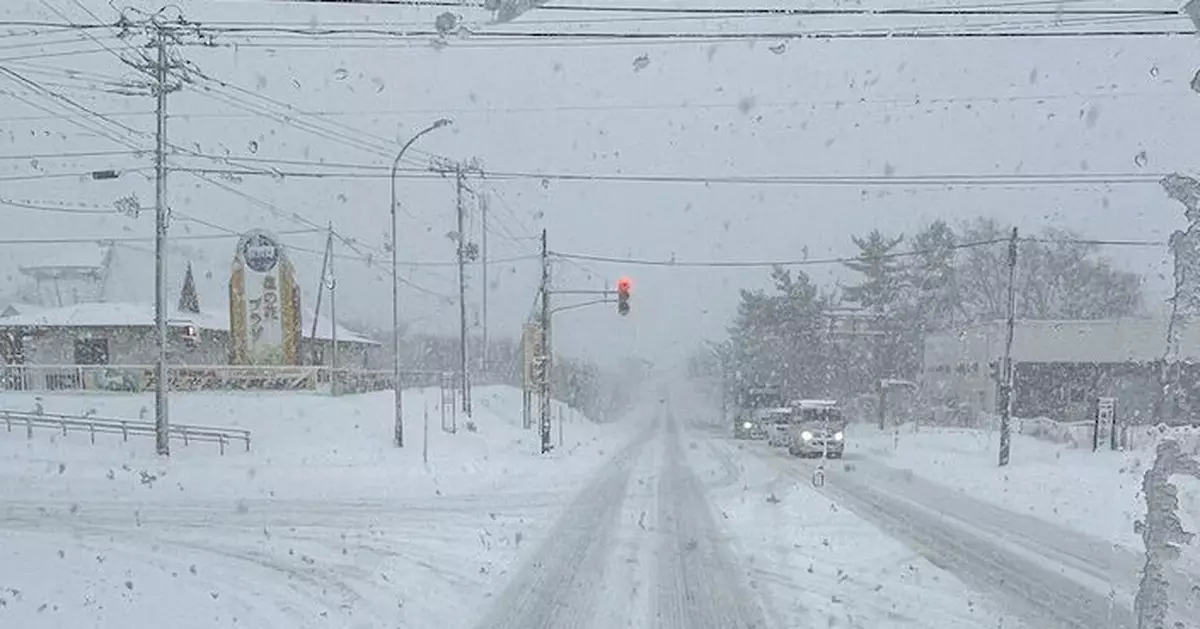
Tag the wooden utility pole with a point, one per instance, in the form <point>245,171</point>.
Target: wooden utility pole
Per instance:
<point>1006,374</point>
<point>462,293</point>
<point>483,217</point>
<point>162,436</point>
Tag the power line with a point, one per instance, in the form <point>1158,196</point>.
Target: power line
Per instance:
<point>915,100</point>
<point>760,263</point>
<point>70,175</point>
<point>328,129</point>
<point>1019,31</point>
<point>69,155</point>
<point>372,171</point>
<point>123,239</point>
<point>838,260</point>
<point>61,209</point>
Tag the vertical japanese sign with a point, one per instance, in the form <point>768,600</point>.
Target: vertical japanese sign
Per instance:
<point>531,352</point>
<point>264,303</point>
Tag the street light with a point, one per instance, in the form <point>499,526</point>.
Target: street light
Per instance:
<point>397,395</point>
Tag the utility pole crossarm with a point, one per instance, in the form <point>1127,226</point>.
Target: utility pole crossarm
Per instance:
<point>583,292</point>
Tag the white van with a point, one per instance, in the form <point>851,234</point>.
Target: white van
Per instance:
<point>817,429</point>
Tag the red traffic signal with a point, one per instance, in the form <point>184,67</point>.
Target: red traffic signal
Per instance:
<point>624,284</point>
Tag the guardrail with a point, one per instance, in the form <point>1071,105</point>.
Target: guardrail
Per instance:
<point>188,433</point>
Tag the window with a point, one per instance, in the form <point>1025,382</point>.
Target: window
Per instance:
<point>91,351</point>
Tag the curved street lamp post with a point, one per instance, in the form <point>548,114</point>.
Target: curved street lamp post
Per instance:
<point>398,438</point>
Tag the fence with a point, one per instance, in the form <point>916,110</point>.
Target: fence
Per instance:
<point>124,427</point>
<point>136,378</point>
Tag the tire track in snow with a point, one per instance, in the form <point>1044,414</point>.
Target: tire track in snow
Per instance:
<point>556,587</point>
<point>696,578</point>
<point>1042,596</point>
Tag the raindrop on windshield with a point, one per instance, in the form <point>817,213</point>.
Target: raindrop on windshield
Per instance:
<point>1154,71</point>
<point>641,62</point>
<point>252,147</point>
<point>779,48</point>
<point>1140,159</point>
<point>341,74</point>
<point>1196,82</point>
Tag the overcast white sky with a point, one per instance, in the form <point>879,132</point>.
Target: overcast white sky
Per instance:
<point>847,107</point>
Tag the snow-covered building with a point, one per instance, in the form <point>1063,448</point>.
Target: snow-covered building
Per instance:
<point>123,333</point>
<point>1059,368</point>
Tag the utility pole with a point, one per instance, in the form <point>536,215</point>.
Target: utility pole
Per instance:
<point>332,284</point>
<point>162,435</point>
<point>483,213</point>
<point>317,309</point>
<point>544,384</point>
<point>462,293</point>
<point>1006,374</point>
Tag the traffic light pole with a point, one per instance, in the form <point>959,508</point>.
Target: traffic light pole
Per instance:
<point>544,385</point>
<point>547,353</point>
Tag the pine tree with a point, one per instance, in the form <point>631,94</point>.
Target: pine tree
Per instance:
<point>883,273</point>
<point>188,301</point>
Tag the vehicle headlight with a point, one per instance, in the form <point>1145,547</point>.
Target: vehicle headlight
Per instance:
<point>838,436</point>
<point>806,435</point>
<point>747,425</point>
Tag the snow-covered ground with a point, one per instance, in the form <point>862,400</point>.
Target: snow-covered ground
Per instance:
<point>817,564</point>
<point>322,524</point>
<point>1095,492</point>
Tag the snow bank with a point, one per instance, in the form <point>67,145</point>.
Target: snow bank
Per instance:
<point>322,524</point>
<point>303,444</point>
<point>1098,493</point>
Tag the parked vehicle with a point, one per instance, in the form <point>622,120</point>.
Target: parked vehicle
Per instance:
<point>817,429</point>
<point>778,422</point>
<point>749,422</point>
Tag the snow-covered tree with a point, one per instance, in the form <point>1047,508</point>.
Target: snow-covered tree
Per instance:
<point>883,273</point>
<point>1058,277</point>
<point>1165,539</point>
<point>188,300</point>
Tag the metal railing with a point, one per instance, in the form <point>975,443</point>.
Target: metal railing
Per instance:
<point>138,378</point>
<point>188,433</point>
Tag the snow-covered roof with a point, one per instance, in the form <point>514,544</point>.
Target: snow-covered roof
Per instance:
<point>1080,341</point>
<point>16,308</point>
<point>80,257</point>
<point>127,314</point>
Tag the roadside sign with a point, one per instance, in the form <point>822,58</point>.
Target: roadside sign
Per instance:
<point>1105,422</point>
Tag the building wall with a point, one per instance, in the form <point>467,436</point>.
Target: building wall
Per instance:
<point>1060,366</point>
<point>137,346</point>
<point>128,346</point>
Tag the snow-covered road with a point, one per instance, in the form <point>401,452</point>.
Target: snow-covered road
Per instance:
<point>639,547</point>
<point>686,528</point>
<point>1049,577</point>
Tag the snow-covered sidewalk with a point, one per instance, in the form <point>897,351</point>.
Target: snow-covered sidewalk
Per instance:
<point>322,524</point>
<point>1098,493</point>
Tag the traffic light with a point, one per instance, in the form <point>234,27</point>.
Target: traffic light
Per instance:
<point>623,286</point>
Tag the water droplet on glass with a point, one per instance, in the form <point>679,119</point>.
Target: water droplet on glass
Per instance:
<point>253,146</point>
<point>341,74</point>
<point>641,62</point>
<point>1154,71</point>
<point>1140,159</point>
<point>779,48</point>
<point>1196,82</point>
